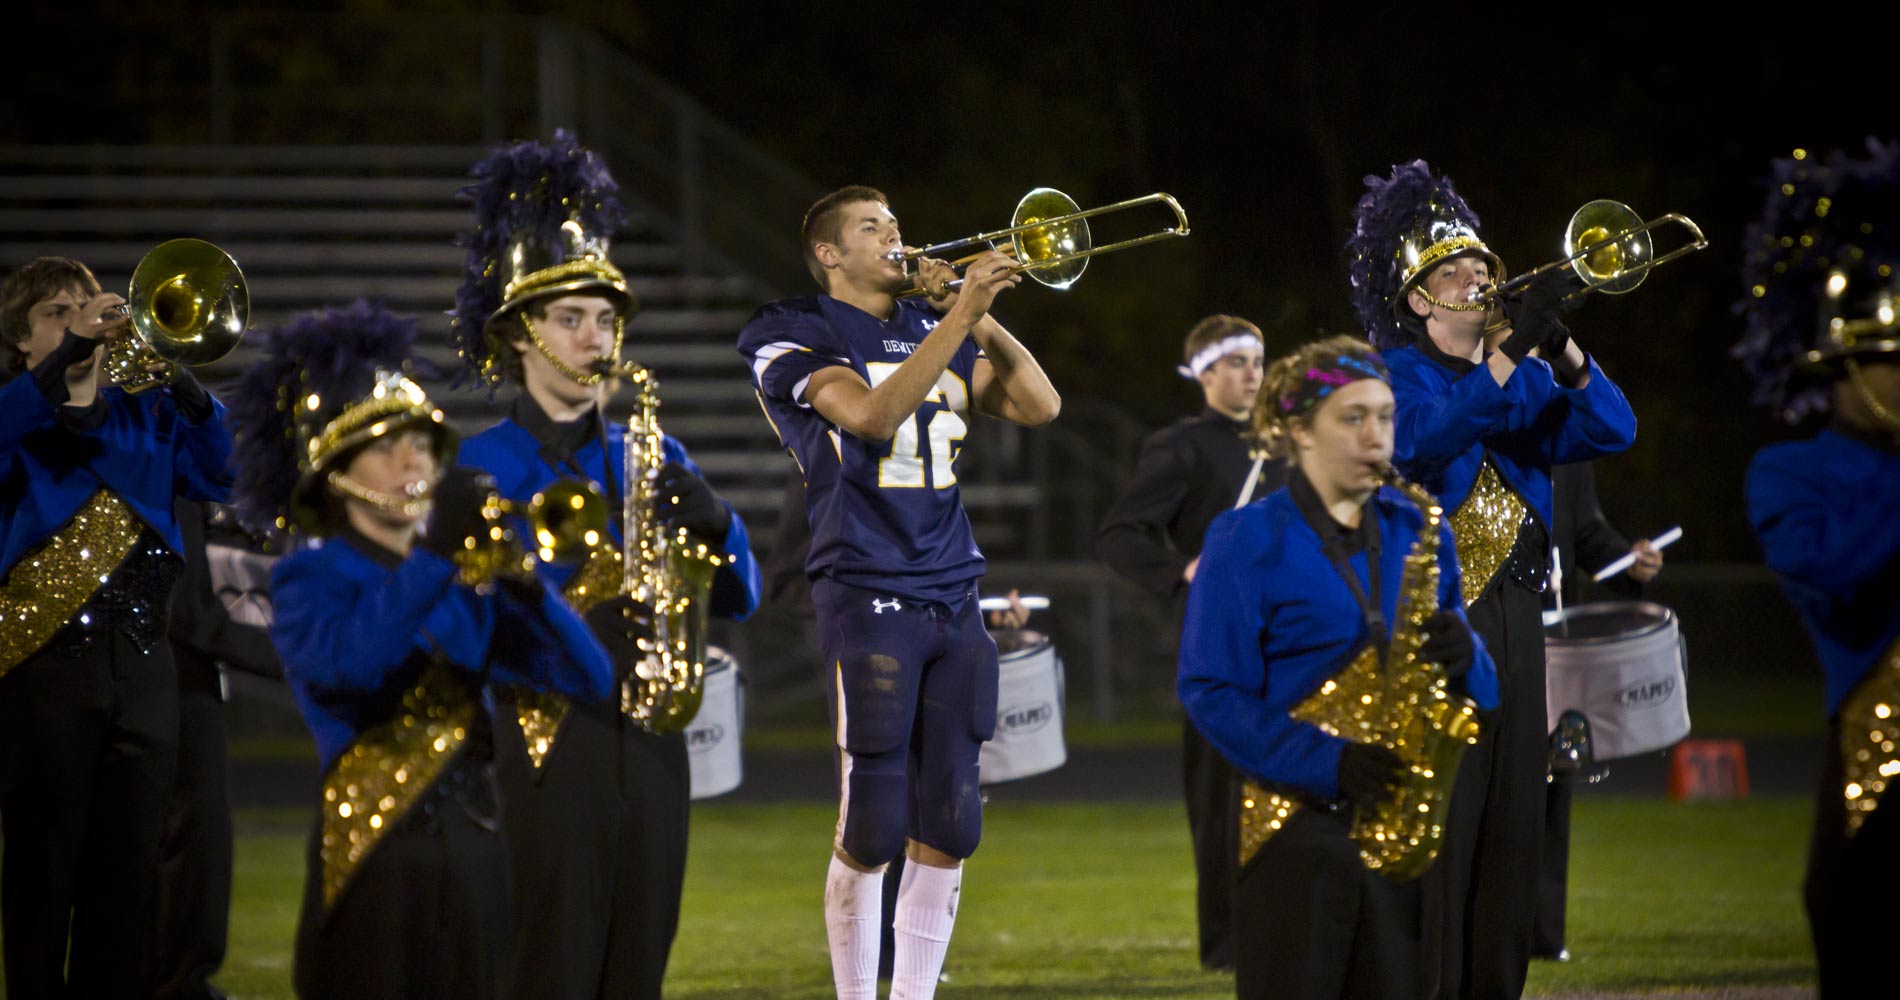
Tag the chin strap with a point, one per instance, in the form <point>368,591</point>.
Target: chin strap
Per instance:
<point>567,371</point>
<point>395,503</point>
<point>1887,417</point>
<point>1442,304</point>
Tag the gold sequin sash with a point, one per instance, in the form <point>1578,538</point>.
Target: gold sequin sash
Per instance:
<point>1485,530</point>
<point>1870,734</point>
<point>50,584</point>
<point>388,769</point>
<point>540,714</point>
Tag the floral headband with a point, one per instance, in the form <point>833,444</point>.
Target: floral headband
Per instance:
<point>1325,375</point>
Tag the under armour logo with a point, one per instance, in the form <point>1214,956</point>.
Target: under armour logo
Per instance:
<point>880,607</point>
<point>930,324</point>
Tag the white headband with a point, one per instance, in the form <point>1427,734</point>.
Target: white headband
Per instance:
<point>1218,350</point>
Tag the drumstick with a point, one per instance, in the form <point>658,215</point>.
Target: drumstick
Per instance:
<point>1002,603</point>
<point>1659,542</point>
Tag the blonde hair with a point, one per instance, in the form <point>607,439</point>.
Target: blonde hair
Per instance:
<point>1273,419</point>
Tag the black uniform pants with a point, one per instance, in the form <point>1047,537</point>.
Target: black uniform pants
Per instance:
<point>1209,785</point>
<point>598,844</point>
<point>1851,886</point>
<point>1494,836</point>
<point>1311,922</point>
<point>194,865</point>
<point>1553,890</point>
<point>88,742</point>
<point>426,915</point>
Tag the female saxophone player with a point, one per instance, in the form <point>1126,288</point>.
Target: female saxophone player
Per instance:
<point>1292,606</point>
<point>389,651</point>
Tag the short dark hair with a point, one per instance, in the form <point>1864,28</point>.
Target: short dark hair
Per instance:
<point>824,223</point>
<point>34,282</point>
<point>1214,329</point>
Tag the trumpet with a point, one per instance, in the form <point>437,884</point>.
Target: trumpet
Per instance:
<point>1607,246</point>
<point>1048,237</point>
<point>189,304</point>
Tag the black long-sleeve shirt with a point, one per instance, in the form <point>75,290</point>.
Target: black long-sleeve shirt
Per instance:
<point>1585,540</point>
<point>203,633</point>
<point>1188,474</point>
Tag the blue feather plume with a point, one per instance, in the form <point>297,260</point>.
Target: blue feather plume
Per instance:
<point>334,353</point>
<point>523,190</point>
<point>1392,208</point>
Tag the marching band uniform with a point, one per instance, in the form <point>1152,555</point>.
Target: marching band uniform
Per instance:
<point>388,656</point>
<point>1819,315</point>
<point>1187,475</point>
<point>1278,610</point>
<point>90,550</point>
<point>598,805</point>
<point>1485,450</point>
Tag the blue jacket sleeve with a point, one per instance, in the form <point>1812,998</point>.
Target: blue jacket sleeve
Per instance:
<point>23,410</point>
<point>336,633</point>
<point>1832,541</point>
<point>541,643</point>
<point>1600,421</point>
<point>1481,681</point>
<point>1434,425</point>
<point>201,463</point>
<point>736,586</point>
<point>1223,669</point>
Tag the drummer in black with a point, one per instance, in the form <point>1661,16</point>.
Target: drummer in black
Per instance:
<point>1585,542</point>
<point>1188,474</point>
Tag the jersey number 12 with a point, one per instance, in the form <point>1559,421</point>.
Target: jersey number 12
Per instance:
<point>944,430</point>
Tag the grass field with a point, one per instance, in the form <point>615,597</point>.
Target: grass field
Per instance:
<point>1076,901</point>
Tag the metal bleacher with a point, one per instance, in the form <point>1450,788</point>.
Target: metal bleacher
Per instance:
<point>313,226</point>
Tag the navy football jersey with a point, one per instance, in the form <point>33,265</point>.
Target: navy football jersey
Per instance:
<point>885,515</point>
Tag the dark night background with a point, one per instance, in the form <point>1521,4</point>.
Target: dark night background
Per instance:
<point>1262,123</point>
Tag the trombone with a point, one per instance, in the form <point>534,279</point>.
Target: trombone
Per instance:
<point>1607,246</point>
<point>189,304</point>
<point>1048,237</point>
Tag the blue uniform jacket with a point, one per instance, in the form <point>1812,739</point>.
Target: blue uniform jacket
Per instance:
<point>145,452</point>
<point>1446,422</point>
<point>511,454</point>
<point>354,635</point>
<point>1827,511</point>
<point>1269,620</point>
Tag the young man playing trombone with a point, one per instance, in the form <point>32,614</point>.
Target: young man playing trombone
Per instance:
<point>89,551</point>
<point>872,395</point>
<point>1481,430</point>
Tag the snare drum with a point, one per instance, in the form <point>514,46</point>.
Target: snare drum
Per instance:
<point>1619,663</point>
<point>1029,692</point>
<point>713,737</point>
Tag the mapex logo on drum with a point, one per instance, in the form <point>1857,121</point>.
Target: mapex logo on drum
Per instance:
<point>703,738</point>
<point>1646,694</point>
<point>1024,718</point>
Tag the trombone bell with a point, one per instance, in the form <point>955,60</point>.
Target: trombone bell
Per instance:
<point>1043,241</point>
<point>1608,247</point>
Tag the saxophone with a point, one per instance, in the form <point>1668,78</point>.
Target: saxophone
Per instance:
<point>1398,702</point>
<point>670,572</point>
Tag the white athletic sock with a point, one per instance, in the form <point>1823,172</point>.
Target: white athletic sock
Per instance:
<point>854,907</point>
<point>926,911</point>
